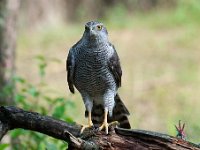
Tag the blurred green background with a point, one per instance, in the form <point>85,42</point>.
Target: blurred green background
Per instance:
<point>157,42</point>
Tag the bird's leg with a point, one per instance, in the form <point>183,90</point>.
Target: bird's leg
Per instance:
<point>105,122</point>
<point>90,124</point>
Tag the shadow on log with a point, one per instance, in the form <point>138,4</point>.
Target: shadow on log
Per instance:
<point>119,139</point>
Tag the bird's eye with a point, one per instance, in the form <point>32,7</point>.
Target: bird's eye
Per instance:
<point>99,27</point>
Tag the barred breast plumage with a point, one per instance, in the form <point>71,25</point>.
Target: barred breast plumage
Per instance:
<point>94,69</point>
<point>92,74</point>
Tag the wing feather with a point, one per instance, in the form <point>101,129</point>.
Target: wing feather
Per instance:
<point>70,65</point>
<point>115,67</point>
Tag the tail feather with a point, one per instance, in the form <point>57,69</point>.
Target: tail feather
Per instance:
<point>120,105</point>
<point>120,114</point>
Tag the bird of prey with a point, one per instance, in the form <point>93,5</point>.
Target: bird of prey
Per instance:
<point>93,67</point>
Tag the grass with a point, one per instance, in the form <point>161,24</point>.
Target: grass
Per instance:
<point>159,53</point>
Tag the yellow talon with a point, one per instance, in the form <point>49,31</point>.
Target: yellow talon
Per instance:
<point>90,124</point>
<point>105,123</point>
<point>115,123</point>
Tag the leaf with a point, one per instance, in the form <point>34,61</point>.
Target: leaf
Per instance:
<point>37,136</point>
<point>16,133</point>
<point>43,111</point>
<point>50,146</point>
<point>42,67</point>
<point>63,146</point>
<point>41,146</point>
<point>33,92</point>
<point>19,79</point>
<point>59,99</point>
<point>19,98</point>
<point>69,120</point>
<point>3,146</point>
<point>42,64</point>
<point>48,99</point>
<point>59,111</point>
<point>70,104</point>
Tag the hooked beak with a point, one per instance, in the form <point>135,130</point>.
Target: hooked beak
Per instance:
<point>92,33</point>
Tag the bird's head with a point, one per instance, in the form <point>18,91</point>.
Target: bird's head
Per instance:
<point>95,30</point>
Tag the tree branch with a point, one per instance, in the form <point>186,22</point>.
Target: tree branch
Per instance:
<point>13,118</point>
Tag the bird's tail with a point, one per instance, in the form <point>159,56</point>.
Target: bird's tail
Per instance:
<point>120,113</point>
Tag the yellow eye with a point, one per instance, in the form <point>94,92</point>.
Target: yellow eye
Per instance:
<point>99,27</point>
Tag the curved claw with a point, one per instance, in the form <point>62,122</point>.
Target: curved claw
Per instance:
<point>90,124</point>
<point>84,127</point>
<point>105,125</point>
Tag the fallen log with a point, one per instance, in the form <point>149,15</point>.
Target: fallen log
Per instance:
<point>119,139</point>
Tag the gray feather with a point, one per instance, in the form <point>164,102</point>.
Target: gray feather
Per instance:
<point>93,67</point>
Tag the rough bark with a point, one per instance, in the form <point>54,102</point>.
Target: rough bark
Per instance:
<point>13,118</point>
<point>8,18</point>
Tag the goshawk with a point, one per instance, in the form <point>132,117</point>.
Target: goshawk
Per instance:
<point>93,67</point>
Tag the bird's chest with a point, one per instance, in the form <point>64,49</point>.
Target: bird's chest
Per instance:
<point>92,73</point>
<point>92,58</point>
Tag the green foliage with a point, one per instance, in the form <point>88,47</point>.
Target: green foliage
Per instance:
<point>41,65</point>
<point>118,17</point>
<point>185,13</point>
<point>33,97</point>
<point>3,146</point>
